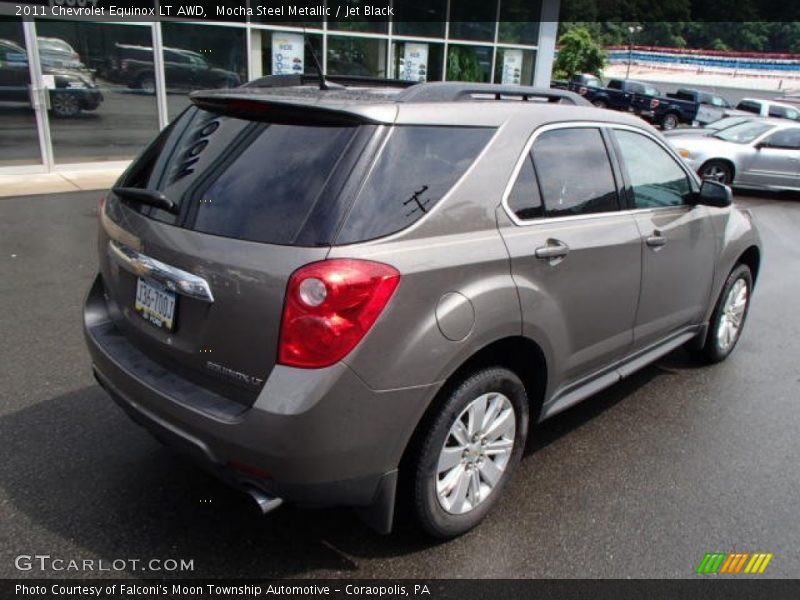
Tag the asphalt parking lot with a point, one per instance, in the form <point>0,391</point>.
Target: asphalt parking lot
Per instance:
<point>639,481</point>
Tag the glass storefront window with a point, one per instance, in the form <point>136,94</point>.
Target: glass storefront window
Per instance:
<point>514,66</point>
<point>519,21</point>
<point>359,20</point>
<point>469,63</point>
<point>286,53</point>
<point>96,72</point>
<point>419,19</point>
<point>418,61</point>
<point>19,141</point>
<point>365,57</point>
<point>473,19</point>
<point>200,57</point>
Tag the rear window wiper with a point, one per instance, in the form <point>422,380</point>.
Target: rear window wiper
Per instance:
<point>149,197</point>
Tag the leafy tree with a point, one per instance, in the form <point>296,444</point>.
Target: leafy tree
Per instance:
<point>578,53</point>
<point>463,65</point>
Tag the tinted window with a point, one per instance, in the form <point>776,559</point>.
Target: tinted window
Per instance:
<point>788,138</point>
<point>615,84</point>
<point>415,169</point>
<point>574,172</point>
<point>748,106</point>
<point>241,179</point>
<point>656,178</point>
<point>524,200</point>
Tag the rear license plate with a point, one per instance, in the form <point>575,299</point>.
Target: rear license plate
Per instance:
<point>155,303</point>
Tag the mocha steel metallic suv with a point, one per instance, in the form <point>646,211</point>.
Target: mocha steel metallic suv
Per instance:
<point>319,293</point>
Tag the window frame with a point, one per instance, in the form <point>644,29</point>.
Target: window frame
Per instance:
<point>621,179</point>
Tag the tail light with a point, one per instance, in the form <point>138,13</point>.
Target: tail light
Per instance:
<point>654,103</point>
<point>330,306</point>
<point>582,90</point>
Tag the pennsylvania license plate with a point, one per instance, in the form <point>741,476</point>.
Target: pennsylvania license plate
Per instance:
<point>155,303</point>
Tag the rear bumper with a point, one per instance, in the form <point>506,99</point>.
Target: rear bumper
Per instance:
<point>313,437</point>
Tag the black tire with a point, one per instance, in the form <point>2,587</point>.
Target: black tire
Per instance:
<point>718,170</point>
<point>64,105</point>
<point>147,83</point>
<point>427,508</point>
<point>669,121</point>
<point>714,350</point>
<point>600,104</point>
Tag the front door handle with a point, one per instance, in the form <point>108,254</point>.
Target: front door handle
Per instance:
<point>552,249</point>
<point>656,240</point>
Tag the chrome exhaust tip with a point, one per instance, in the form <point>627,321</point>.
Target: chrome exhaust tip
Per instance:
<point>265,502</point>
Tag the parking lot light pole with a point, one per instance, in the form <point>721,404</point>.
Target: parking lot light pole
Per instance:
<point>631,31</point>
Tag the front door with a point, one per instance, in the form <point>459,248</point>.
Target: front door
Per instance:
<point>678,244</point>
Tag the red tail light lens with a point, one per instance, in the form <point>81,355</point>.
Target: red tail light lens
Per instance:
<point>330,306</point>
<point>654,103</point>
<point>582,90</point>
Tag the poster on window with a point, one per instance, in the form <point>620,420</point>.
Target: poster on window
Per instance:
<point>512,66</point>
<point>414,62</point>
<point>287,53</point>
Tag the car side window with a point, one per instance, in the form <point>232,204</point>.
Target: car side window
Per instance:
<point>655,176</point>
<point>524,200</point>
<point>788,139</point>
<point>574,170</point>
<point>614,85</point>
<point>748,106</point>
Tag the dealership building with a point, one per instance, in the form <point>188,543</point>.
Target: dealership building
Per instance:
<point>77,93</point>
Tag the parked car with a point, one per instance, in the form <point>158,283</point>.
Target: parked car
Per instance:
<point>769,108</point>
<point>685,106</point>
<point>319,294</point>
<point>710,128</point>
<point>55,52</point>
<point>74,91</point>
<point>762,154</point>
<point>184,69</point>
<point>619,94</point>
<point>577,82</point>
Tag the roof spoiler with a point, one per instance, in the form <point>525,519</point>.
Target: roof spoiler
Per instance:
<point>273,110</point>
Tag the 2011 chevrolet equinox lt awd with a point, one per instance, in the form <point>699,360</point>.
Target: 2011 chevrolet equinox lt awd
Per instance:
<point>318,293</point>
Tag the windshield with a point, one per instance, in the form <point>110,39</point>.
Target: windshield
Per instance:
<point>744,133</point>
<point>727,122</point>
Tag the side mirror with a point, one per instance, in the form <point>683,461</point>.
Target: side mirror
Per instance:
<point>761,145</point>
<point>714,193</point>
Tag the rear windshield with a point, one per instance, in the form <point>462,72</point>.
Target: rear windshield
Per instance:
<point>283,183</point>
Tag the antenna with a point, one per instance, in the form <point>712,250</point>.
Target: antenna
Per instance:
<point>323,85</point>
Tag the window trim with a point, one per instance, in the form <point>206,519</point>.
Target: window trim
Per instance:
<point>622,187</point>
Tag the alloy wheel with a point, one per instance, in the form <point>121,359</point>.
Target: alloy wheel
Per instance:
<point>732,317</point>
<point>475,453</point>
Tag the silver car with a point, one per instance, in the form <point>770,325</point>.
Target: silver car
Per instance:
<point>332,297</point>
<point>761,154</point>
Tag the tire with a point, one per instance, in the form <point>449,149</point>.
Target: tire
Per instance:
<point>669,121</point>
<point>600,104</point>
<point>65,105</point>
<point>725,327</point>
<point>483,465</point>
<point>147,84</point>
<point>718,170</point>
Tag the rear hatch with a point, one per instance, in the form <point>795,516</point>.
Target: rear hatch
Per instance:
<point>199,239</point>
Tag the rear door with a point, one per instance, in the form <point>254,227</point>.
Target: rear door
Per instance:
<point>775,160</point>
<point>201,289</point>
<point>678,244</point>
<point>574,255</point>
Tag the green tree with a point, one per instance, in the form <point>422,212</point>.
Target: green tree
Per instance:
<point>463,65</point>
<point>578,53</point>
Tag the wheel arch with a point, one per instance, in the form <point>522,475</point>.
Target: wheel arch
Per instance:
<point>727,161</point>
<point>752,258</point>
<point>520,354</point>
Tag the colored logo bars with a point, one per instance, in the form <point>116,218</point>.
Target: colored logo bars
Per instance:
<point>734,563</point>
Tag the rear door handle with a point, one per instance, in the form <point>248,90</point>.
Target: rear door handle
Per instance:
<point>552,249</point>
<point>656,240</point>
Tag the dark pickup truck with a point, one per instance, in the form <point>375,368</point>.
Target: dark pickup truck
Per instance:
<point>619,94</point>
<point>684,106</point>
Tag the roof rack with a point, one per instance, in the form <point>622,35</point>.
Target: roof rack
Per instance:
<point>456,91</point>
<point>273,81</point>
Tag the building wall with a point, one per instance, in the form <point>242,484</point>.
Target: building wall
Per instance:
<point>145,71</point>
